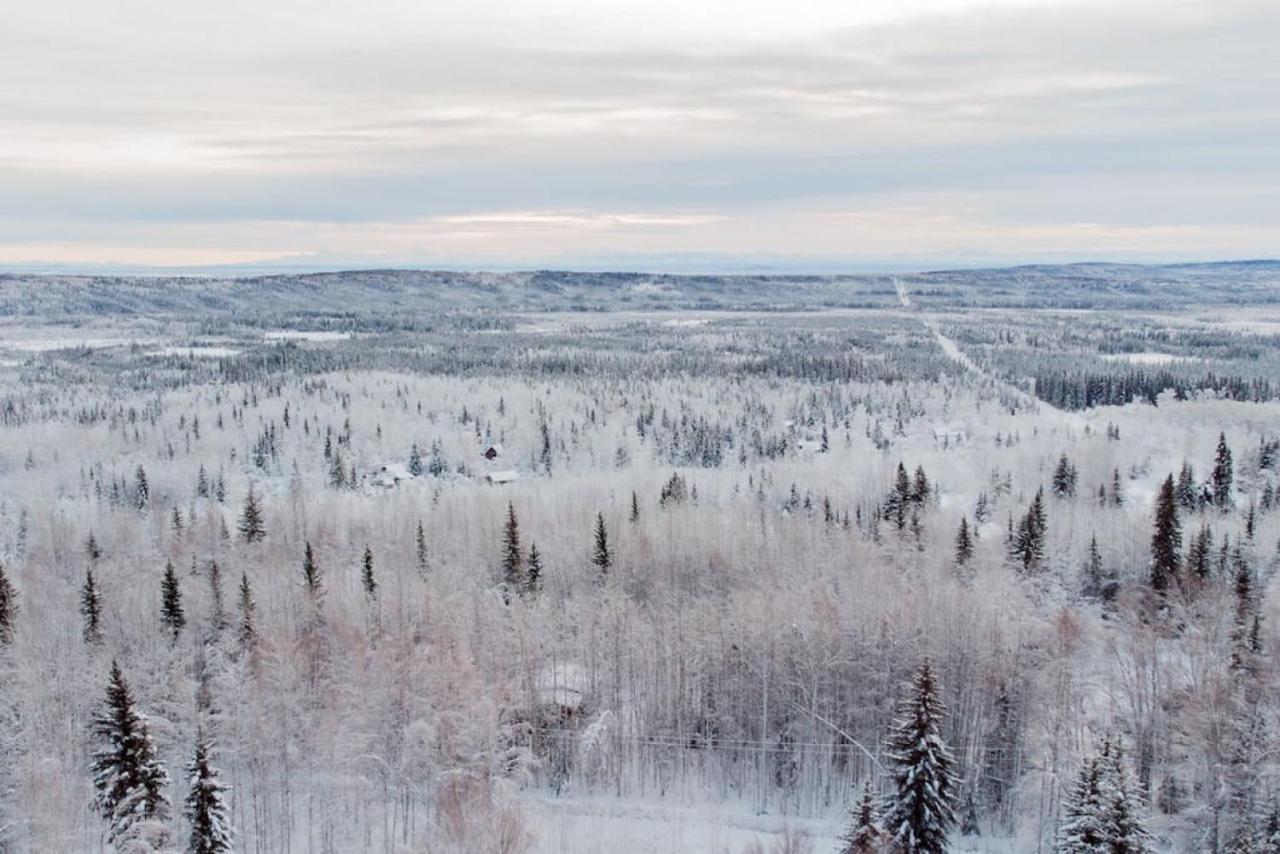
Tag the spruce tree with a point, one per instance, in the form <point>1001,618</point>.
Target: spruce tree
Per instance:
<point>171,613</point>
<point>1223,475</point>
<point>1200,554</point>
<point>415,461</point>
<point>920,814</point>
<point>964,543</point>
<point>91,608</point>
<point>513,579</point>
<point>635,507</point>
<point>312,577</point>
<point>218,614</point>
<point>420,549</point>
<point>1188,494</point>
<point>251,525</point>
<point>600,555</point>
<point>1093,575</point>
<point>8,608</point>
<point>1064,478</point>
<point>533,577</point>
<point>1116,498</point>
<point>1082,830</point>
<point>128,776</point>
<point>205,806</point>
<point>1166,540</point>
<point>1122,827</point>
<point>141,489</point>
<point>366,574</point>
<point>864,835</point>
<point>1028,543</point>
<point>91,548</point>
<point>247,631</point>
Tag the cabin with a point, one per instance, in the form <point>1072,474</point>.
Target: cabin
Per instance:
<point>500,477</point>
<point>491,452</point>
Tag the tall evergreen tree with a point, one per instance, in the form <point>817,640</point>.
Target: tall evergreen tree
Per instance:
<point>533,577</point>
<point>1123,828</point>
<point>1166,540</point>
<point>312,576</point>
<point>1082,830</point>
<point>635,506</point>
<point>1027,546</point>
<point>366,574</point>
<point>171,613</point>
<point>600,554</point>
<point>8,608</point>
<point>964,543</point>
<point>1116,497</point>
<point>920,812</point>
<point>1223,474</point>
<point>420,549</point>
<point>251,525</point>
<point>1187,491</point>
<point>217,613</point>
<point>128,776</point>
<point>205,806</point>
<point>1200,554</point>
<point>91,608</point>
<point>247,631</point>
<point>513,578</point>
<point>864,835</point>
<point>1093,574</point>
<point>415,461</point>
<point>141,488</point>
<point>1064,478</point>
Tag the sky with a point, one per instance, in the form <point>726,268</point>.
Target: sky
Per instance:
<point>636,134</point>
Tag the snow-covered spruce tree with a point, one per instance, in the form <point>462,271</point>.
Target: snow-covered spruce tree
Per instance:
<point>128,777</point>
<point>415,461</point>
<point>312,577</point>
<point>91,609</point>
<point>171,613</point>
<point>367,581</point>
<point>513,578</point>
<point>141,489</point>
<point>1122,826</point>
<point>251,525</point>
<point>1064,478</point>
<point>205,806</point>
<point>1223,475</point>
<point>864,835</point>
<point>1093,575</point>
<point>1082,830</point>
<point>919,812</point>
<point>1026,548</point>
<point>1166,540</point>
<point>635,507</point>
<point>247,631</point>
<point>600,554</point>
<point>420,549</point>
<point>8,607</point>
<point>964,543</point>
<point>1199,561</point>
<point>533,577</point>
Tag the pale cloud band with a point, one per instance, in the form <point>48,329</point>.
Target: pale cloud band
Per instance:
<point>575,134</point>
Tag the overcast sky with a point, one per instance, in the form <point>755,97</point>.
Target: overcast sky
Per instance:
<point>653,133</point>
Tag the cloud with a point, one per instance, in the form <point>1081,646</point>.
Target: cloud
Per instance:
<point>646,125</point>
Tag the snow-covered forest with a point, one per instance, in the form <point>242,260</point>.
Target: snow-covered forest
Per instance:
<point>954,562</point>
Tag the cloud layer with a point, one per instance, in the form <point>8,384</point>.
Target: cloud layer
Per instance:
<point>590,134</point>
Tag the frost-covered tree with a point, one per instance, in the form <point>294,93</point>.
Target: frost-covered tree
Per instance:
<point>1082,830</point>
<point>513,577</point>
<point>127,774</point>
<point>919,813</point>
<point>1093,577</point>
<point>252,527</point>
<point>91,609</point>
<point>205,806</point>
<point>1064,478</point>
<point>171,613</point>
<point>367,580</point>
<point>247,631</point>
<point>1223,475</point>
<point>8,607</point>
<point>415,461</point>
<point>1027,546</point>
<point>312,575</point>
<point>964,543</point>
<point>1166,540</point>
<point>141,488</point>
<point>534,573</point>
<point>864,835</point>
<point>601,556</point>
